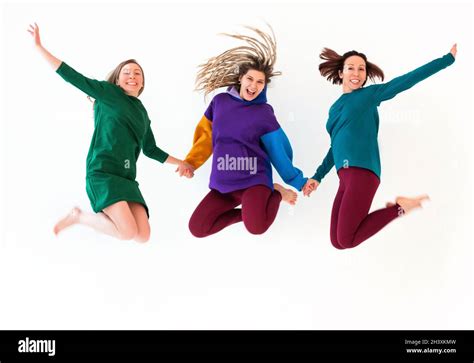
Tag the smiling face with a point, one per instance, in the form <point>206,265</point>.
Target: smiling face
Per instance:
<point>354,74</point>
<point>252,84</point>
<point>130,79</point>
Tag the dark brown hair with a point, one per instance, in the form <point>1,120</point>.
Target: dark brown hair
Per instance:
<point>334,63</point>
<point>114,75</point>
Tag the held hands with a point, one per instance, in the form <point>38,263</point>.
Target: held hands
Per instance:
<point>454,50</point>
<point>185,169</point>
<point>34,31</point>
<point>310,186</point>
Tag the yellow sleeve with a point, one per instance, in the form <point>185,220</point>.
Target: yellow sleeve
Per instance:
<point>202,144</point>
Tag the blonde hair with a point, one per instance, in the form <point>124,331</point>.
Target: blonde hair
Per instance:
<point>227,68</point>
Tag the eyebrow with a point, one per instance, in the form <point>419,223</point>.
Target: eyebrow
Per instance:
<point>351,64</point>
<point>258,79</point>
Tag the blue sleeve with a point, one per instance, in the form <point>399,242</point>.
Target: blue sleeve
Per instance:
<point>390,89</point>
<point>279,150</point>
<point>325,167</point>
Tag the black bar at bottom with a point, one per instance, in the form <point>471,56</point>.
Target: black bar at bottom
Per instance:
<point>220,346</point>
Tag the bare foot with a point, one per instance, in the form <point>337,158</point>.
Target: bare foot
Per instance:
<point>69,220</point>
<point>408,204</point>
<point>287,195</point>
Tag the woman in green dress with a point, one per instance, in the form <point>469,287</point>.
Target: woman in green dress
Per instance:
<point>121,130</point>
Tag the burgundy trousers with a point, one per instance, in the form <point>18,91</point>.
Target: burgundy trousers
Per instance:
<point>351,223</point>
<point>218,210</point>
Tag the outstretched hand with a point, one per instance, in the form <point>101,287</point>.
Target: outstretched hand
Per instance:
<point>34,31</point>
<point>454,50</point>
<point>310,186</point>
<point>185,169</point>
<point>51,59</point>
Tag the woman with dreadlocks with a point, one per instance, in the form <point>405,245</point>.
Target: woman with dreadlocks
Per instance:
<point>353,126</point>
<point>122,129</point>
<point>241,131</point>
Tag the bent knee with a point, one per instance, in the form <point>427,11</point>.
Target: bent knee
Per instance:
<point>143,232</point>
<point>336,244</point>
<point>128,232</point>
<point>196,228</point>
<point>255,228</point>
<point>345,242</point>
<point>142,237</point>
<point>197,231</point>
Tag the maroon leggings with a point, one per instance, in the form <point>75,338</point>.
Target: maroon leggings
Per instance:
<point>218,210</point>
<point>351,223</point>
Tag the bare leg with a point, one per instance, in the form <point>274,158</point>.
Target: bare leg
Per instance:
<point>287,195</point>
<point>123,219</point>
<point>141,219</point>
<point>98,221</point>
<point>116,220</point>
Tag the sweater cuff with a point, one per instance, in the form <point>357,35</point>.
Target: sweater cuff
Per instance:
<point>160,155</point>
<point>299,183</point>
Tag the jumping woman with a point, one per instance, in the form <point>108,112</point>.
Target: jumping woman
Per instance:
<point>241,131</point>
<point>353,126</point>
<point>121,130</point>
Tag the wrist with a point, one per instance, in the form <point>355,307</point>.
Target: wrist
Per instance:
<point>189,164</point>
<point>169,160</point>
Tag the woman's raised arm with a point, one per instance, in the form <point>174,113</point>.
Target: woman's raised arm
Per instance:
<point>51,59</point>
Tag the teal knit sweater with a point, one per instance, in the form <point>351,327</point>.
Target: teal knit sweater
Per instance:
<point>353,122</point>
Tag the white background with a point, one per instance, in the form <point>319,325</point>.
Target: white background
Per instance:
<point>415,274</point>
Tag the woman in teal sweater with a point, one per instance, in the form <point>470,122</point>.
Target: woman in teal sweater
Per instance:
<point>121,130</point>
<point>353,125</point>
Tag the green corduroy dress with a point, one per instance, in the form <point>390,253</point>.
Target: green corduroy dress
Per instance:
<point>121,130</point>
